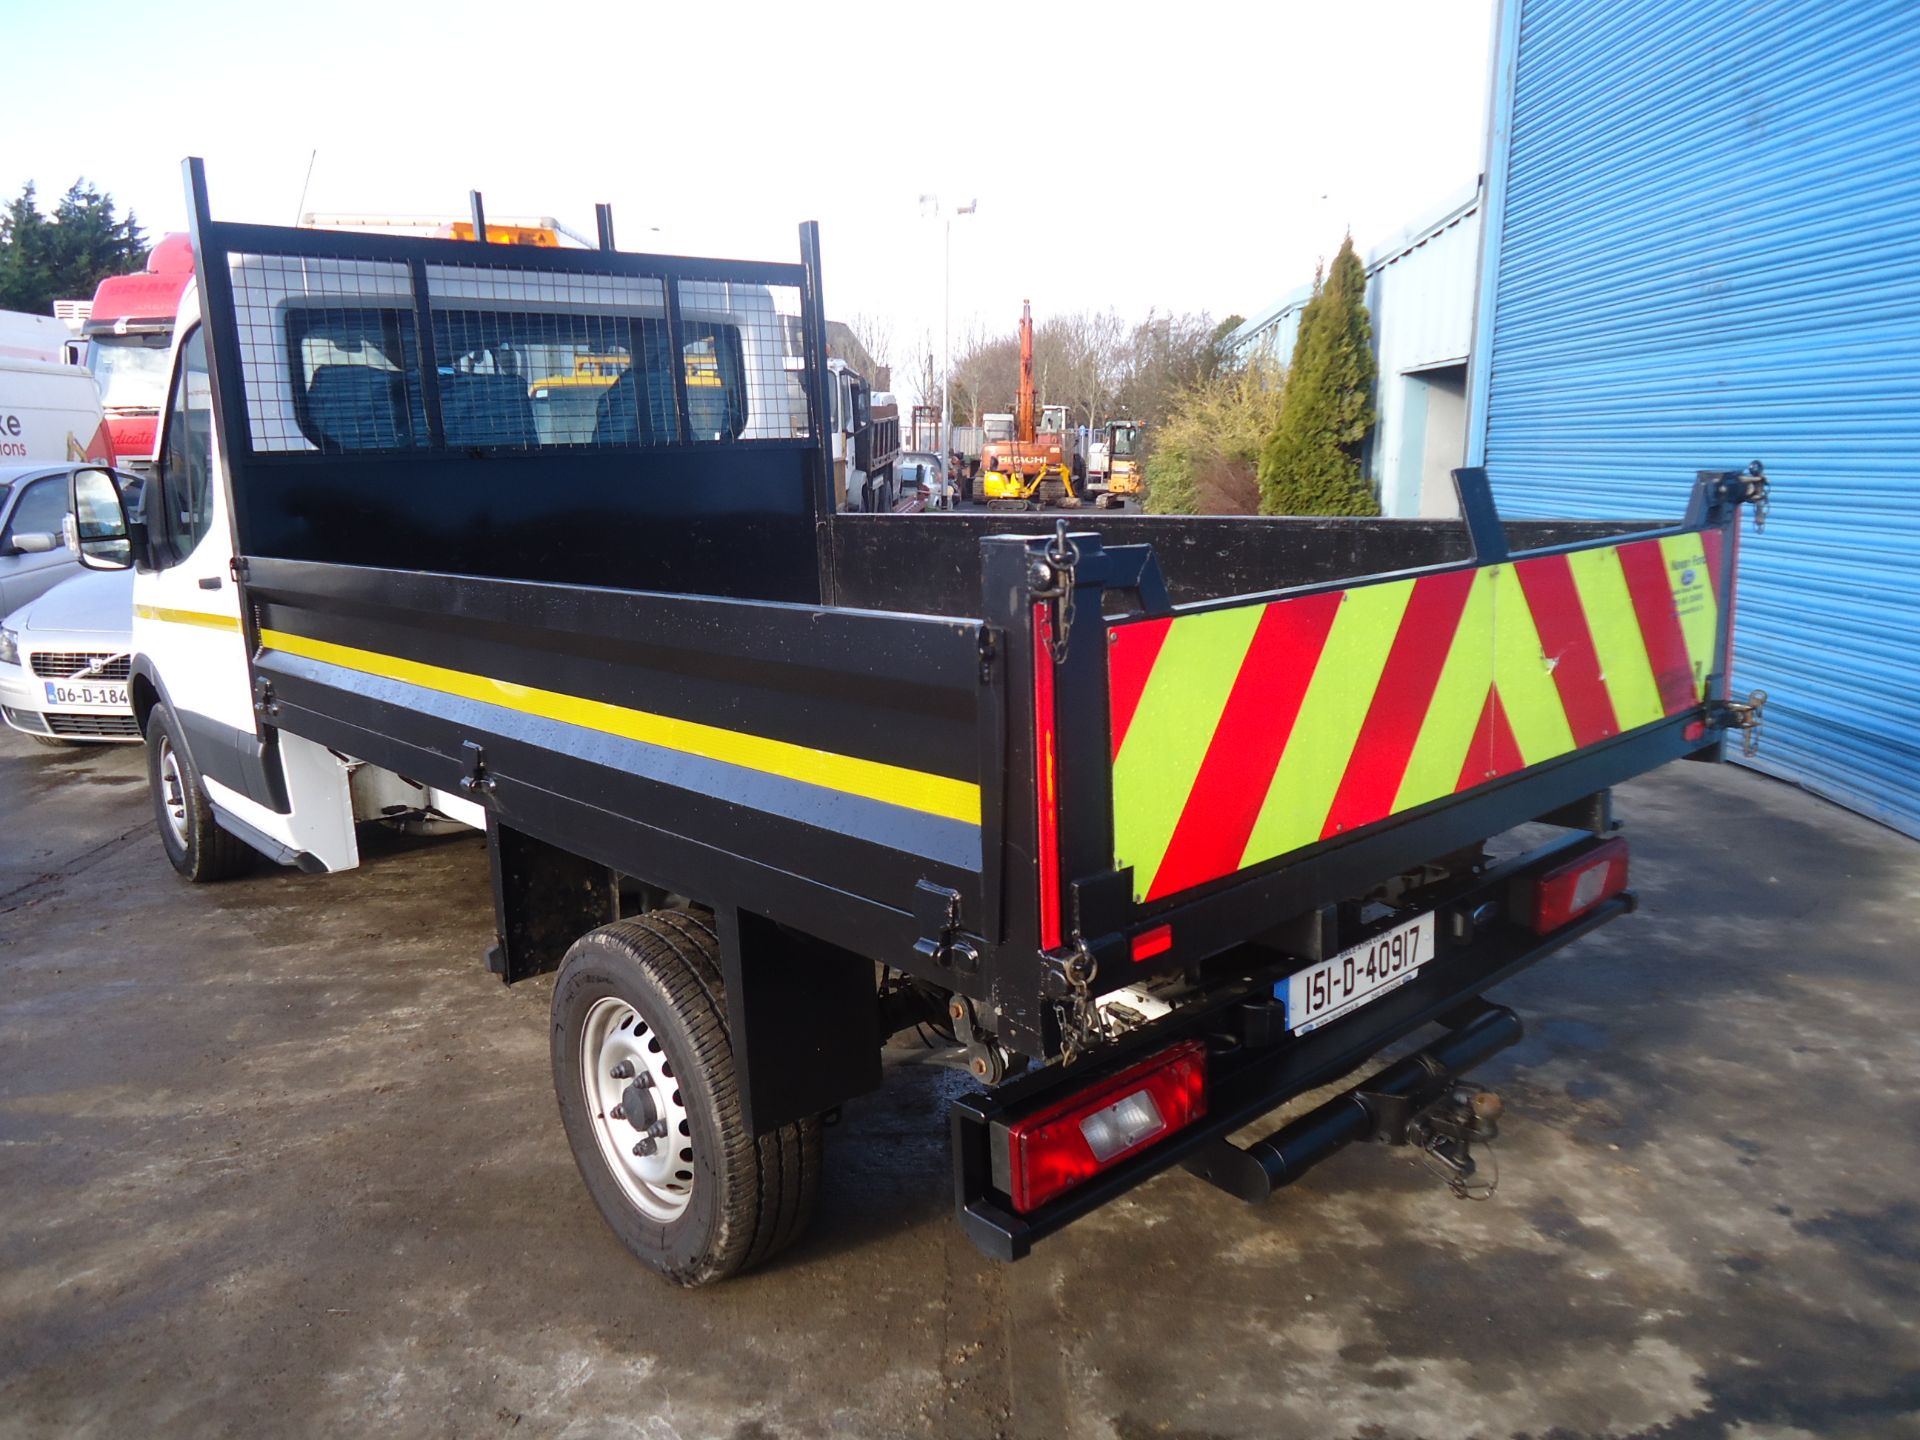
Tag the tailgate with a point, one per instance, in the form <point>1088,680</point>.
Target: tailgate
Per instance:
<point>1244,733</point>
<point>1203,773</point>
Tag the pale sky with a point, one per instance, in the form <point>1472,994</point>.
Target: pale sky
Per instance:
<point>1133,156</point>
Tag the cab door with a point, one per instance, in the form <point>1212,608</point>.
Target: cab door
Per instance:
<point>186,610</point>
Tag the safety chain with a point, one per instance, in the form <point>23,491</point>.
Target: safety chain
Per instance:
<point>1062,556</point>
<point>1081,1022</point>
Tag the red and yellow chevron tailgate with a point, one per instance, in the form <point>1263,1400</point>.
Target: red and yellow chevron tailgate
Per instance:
<point>1245,733</point>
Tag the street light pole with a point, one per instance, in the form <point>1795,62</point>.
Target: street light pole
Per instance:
<point>946,335</point>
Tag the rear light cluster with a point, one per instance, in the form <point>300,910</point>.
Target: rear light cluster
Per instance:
<point>1074,1139</point>
<point>1568,891</point>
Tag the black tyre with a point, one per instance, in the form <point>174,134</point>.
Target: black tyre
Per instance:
<point>197,847</point>
<point>641,1054</point>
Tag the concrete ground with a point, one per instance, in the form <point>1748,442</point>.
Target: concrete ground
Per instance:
<point>279,1157</point>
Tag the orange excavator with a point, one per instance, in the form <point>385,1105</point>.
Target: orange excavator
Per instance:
<point>1036,465</point>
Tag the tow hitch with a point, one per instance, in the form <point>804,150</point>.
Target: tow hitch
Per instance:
<point>1416,1101</point>
<point>1447,1133</point>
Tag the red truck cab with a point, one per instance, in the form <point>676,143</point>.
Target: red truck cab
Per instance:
<point>128,335</point>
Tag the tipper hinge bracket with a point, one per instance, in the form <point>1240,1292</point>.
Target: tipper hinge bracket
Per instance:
<point>1746,716</point>
<point>1718,493</point>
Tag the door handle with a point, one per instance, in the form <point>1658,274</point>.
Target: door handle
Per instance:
<point>209,582</point>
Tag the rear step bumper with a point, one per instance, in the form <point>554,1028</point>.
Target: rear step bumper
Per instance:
<point>1250,1077</point>
<point>1407,1087</point>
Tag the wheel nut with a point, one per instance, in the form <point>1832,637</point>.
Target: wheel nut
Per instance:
<point>644,1147</point>
<point>623,1071</point>
<point>658,1129</point>
<point>619,1113</point>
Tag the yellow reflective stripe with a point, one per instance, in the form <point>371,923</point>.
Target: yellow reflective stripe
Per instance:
<point>1617,641</point>
<point>187,617</point>
<point>1524,676</point>
<point>1440,754</point>
<point>1693,601</point>
<point>1171,731</point>
<point>1331,713</point>
<point>871,779</point>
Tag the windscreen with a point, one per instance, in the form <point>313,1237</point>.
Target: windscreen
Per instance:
<point>131,370</point>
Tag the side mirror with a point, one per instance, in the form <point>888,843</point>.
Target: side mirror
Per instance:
<point>97,521</point>
<point>36,542</point>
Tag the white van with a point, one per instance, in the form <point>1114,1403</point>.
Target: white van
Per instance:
<point>50,413</point>
<point>33,337</point>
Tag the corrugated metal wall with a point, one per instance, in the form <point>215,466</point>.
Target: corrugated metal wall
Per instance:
<point>1704,248</point>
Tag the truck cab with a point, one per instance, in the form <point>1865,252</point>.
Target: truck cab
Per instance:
<point>865,431</point>
<point>128,344</point>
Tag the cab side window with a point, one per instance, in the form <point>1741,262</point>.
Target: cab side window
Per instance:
<point>42,510</point>
<point>186,464</point>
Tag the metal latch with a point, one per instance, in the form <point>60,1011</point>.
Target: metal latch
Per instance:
<point>265,702</point>
<point>1744,716</point>
<point>476,781</point>
<point>943,943</point>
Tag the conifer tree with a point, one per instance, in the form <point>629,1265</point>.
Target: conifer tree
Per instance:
<point>43,259</point>
<point>1311,462</point>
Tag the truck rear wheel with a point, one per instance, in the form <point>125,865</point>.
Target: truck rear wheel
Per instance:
<point>644,1073</point>
<point>196,846</point>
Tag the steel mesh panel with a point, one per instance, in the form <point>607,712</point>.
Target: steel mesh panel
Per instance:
<point>328,353</point>
<point>531,359</point>
<point>332,357</point>
<point>741,349</point>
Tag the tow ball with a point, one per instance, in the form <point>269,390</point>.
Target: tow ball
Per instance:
<point>1447,1133</point>
<point>1443,1128</point>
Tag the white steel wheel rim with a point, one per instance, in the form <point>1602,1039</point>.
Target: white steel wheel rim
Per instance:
<point>173,792</point>
<point>617,1048</point>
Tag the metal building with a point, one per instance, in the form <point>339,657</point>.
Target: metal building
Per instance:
<point>1420,295</point>
<point>1703,247</point>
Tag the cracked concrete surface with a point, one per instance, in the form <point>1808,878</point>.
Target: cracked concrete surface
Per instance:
<point>280,1157</point>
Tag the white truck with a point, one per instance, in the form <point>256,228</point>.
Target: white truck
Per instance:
<point>738,755</point>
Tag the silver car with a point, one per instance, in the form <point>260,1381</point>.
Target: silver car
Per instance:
<point>64,661</point>
<point>33,555</point>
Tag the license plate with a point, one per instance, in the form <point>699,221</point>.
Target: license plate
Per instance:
<point>1346,981</point>
<point>87,697</point>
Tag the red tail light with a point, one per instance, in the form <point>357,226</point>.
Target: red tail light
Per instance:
<point>1565,893</point>
<point>1071,1141</point>
<point>1149,943</point>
